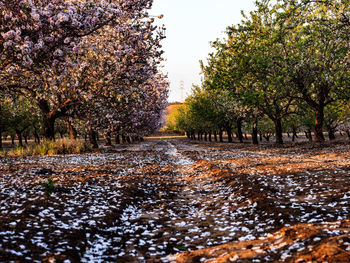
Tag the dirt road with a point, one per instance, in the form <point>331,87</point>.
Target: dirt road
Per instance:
<point>148,202</point>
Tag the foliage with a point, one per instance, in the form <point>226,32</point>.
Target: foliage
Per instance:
<point>287,60</point>
<point>49,186</point>
<point>95,61</point>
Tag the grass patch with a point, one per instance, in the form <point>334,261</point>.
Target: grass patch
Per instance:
<point>61,146</point>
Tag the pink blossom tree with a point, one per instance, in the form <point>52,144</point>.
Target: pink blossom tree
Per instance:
<point>70,54</point>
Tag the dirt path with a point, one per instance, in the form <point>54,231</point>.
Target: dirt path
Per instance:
<point>147,202</point>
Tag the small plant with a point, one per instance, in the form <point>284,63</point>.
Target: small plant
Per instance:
<point>48,186</point>
<point>5,153</point>
<point>19,151</point>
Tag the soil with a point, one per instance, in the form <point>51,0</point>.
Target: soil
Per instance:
<point>179,201</point>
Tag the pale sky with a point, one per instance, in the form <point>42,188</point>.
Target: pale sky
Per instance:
<point>190,26</point>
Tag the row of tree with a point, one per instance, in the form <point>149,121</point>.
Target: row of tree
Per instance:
<point>93,61</point>
<point>287,65</point>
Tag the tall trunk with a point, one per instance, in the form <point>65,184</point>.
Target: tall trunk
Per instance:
<point>309,135</point>
<point>260,136</point>
<point>245,136</point>
<point>188,135</point>
<point>239,130</point>
<point>20,140</point>
<point>210,137</point>
<point>255,133</point>
<point>26,139</point>
<point>331,133</point>
<point>72,131</point>
<point>294,134</point>
<point>117,138</point>
<point>49,127</point>
<point>108,140</point>
<point>279,131</point>
<point>229,135</point>
<point>215,136</point>
<point>206,136</point>
<point>37,138</point>
<point>319,119</point>
<point>93,138</point>
<point>13,139</point>
<point>0,139</point>
<point>221,136</point>
<point>199,136</point>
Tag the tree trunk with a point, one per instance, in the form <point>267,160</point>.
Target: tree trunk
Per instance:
<point>215,136</point>
<point>0,139</point>
<point>221,138</point>
<point>267,137</point>
<point>37,138</point>
<point>13,139</point>
<point>294,134</point>
<point>20,140</point>
<point>260,136</point>
<point>245,136</point>
<point>229,135</point>
<point>331,134</point>
<point>72,131</point>
<point>93,138</point>
<point>117,138</point>
<point>279,131</point>
<point>309,136</point>
<point>199,136</point>
<point>239,129</point>
<point>188,135</point>
<point>319,118</point>
<point>49,127</point>
<point>108,140</point>
<point>210,137</point>
<point>26,139</point>
<point>255,133</point>
<point>206,136</point>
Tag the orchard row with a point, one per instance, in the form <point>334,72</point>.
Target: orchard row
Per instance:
<point>92,64</point>
<point>285,68</point>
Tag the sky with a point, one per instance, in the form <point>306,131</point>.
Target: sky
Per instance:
<point>190,26</point>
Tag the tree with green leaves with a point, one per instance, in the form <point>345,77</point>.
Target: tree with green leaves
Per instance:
<point>315,37</point>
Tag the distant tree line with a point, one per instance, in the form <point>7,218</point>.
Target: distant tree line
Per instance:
<point>285,68</point>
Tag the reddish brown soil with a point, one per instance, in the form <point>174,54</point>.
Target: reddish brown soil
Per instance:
<point>179,201</point>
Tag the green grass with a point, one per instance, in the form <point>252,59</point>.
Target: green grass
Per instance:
<point>47,147</point>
